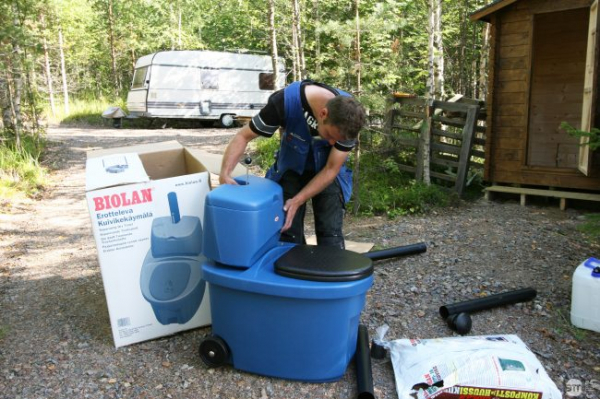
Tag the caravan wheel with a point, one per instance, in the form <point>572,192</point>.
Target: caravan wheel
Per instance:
<point>226,120</point>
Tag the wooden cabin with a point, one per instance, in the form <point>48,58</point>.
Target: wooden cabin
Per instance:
<point>543,64</point>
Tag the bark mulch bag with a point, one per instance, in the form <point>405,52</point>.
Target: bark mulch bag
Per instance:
<point>477,367</point>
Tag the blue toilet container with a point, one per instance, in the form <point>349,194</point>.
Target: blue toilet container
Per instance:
<point>278,309</point>
<point>171,276</point>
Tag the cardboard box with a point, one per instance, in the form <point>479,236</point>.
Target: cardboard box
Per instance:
<point>146,205</point>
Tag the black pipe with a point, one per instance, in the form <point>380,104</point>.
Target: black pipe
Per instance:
<point>488,302</point>
<point>397,251</point>
<point>364,374</point>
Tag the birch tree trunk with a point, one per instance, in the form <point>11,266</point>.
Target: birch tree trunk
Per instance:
<point>358,60</point>
<point>48,74</point>
<point>32,92</point>
<point>179,28</point>
<point>425,140</point>
<point>5,104</point>
<point>63,71</point>
<point>462,64</point>
<point>132,52</point>
<point>474,69</point>
<point>47,70</point>
<point>438,58</point>
<point>317,21</point>
<point>297,34</point>
<point>113,56</point>
<point>295,57</point>
<point>274,56</point>
<point>17,77</point>
<point>356,175</point>
<point>483,63</point>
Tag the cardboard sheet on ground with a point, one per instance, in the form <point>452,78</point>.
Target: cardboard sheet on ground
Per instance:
<point>478,367</point>
<point>359,247</point>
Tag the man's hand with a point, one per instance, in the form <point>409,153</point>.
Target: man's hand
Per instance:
<point>318,183</point>
<point>234,151</point>
<point>227,179</point>
<point>291,207</point>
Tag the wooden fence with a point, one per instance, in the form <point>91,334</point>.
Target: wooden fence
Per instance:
<point>454,129</point>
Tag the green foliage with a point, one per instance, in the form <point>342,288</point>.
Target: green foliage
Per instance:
<point>593,136</point>
<point>386,190</point>
<point>393,39</point>
<point>85,111</point>
<point>591,226</point>
<point>20,169</point>
<point>263,151</point>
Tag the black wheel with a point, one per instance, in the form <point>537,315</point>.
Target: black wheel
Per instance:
<point>214,351</point>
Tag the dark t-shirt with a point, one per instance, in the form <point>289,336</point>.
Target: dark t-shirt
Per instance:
<point>272,116</point>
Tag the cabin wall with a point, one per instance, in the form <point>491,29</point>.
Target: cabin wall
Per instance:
<point>519,100</point>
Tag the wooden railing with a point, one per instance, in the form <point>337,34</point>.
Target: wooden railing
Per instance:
<point>456,132</point>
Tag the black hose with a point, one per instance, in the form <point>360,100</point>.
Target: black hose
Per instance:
<point>488,302</point>
<point>364,374</point>
<point>397,251</point>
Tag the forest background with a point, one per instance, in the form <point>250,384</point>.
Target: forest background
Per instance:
<point>57,52</point>
<point>68,60</point>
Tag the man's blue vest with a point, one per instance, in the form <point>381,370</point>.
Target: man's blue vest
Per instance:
<point>296,143</point>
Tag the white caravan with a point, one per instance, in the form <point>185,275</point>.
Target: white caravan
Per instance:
<point>207,85</point>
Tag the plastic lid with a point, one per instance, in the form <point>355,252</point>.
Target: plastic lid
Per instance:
<point>321,263</point>
<point>592,263</point>
<point>255,194</point>
<point>596,272</point>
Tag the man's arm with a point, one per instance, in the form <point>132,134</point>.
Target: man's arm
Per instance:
<point>234,151</point>
<point>318,183</point>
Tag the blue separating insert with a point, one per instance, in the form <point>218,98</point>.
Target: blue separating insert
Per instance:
<point>176,235</point>
<point>172,239</point>
<point>262,279</point>
<point>592,263</point>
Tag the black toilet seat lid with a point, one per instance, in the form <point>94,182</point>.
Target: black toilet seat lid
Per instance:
<point>321,263</point>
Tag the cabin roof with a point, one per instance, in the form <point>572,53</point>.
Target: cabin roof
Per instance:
<point>485,12</point>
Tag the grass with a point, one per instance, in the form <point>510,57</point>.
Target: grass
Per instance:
<point>87,111</point>
<point>386,190</point>
<point>565,326</point>
<point>20,170</point>
<point>591,227</point>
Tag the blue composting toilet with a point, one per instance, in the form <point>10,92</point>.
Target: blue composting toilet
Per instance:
<point>278,309</point>
<point>171,275</point>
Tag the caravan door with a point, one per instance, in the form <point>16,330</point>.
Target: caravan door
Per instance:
<point>136,98</point>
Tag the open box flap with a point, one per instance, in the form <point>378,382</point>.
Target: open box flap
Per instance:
<point>114,170</point>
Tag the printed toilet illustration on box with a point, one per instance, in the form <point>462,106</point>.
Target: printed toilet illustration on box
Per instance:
<point>171,276</point>
<point>147,208</point>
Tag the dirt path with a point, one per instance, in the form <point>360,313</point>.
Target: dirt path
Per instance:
<point>55,340</point>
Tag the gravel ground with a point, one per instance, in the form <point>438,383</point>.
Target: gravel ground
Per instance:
<point>55,339</point>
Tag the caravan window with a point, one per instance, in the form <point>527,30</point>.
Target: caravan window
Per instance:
<point>266,81</point>
<point>210,80</point>
<point>139,78</point>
